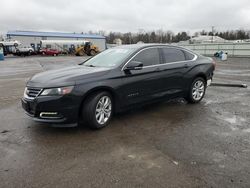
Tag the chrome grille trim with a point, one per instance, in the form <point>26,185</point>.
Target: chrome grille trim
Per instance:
<point>31,93</point>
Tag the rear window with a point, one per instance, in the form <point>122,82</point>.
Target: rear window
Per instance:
<point>173,55</point>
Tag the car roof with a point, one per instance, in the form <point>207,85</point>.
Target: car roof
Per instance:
<point>137,46</point>
<point>143,45</point>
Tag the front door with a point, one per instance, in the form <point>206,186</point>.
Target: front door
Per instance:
<point>142,85</point>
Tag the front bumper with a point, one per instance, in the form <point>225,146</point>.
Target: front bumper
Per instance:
<point>52,109</point>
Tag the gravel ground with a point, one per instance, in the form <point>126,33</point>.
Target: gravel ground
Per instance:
<point>171,144</point>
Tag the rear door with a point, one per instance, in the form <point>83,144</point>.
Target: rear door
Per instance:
<point>175,65</point>
<point>142,85</point>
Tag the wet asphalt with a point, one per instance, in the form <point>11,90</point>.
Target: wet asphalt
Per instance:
<point>168,144</point>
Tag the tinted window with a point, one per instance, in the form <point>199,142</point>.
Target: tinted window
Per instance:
<point>148,57</point>
<point>188,55</point>
<point>173,55</point>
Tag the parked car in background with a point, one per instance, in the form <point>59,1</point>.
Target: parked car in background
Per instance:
<point>115,80</point>
<point>48,51</point>
<point>10,43</point>
<point>23,51</point>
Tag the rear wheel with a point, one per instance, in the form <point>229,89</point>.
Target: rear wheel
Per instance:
<point>197,90</point>
<point>92,52</point>
<point>97,110</point>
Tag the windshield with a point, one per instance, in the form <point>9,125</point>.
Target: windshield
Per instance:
<point>109,58</point>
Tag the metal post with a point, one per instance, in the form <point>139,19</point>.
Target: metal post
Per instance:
<point>1,53</point>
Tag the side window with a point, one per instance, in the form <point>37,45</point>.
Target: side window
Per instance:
<point>173,55</point>
<point>188,55</point>
<point>148,57</point>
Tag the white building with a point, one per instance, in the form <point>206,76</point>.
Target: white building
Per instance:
<point>117,41</point>
<point>206,39</point>
<point>33,38</point>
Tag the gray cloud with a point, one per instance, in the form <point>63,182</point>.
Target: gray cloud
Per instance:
<point>129,15</point>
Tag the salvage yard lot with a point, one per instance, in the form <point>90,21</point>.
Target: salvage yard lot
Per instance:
<point>171,144</point>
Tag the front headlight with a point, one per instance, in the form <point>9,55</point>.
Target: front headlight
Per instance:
<point>57,91</point>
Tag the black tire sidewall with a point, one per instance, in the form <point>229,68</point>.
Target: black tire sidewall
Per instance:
<point>89,109</point>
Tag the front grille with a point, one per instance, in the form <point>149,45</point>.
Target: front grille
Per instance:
<point>32,92</point>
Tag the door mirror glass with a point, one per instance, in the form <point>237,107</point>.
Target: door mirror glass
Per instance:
<point>134,65</point>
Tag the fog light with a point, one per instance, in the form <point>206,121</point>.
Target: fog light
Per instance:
<point>51,115</point>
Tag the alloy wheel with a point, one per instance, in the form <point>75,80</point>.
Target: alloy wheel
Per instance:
<point>198,90</point>
<point>103,110</point>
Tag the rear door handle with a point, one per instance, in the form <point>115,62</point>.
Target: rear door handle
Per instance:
<point>186,66</point>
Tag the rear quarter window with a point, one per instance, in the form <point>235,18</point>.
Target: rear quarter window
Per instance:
<point>188,55</point>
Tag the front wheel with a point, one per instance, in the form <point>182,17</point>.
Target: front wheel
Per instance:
<point>92,52</point>
<point>98,110</point>
<point>197,90</point>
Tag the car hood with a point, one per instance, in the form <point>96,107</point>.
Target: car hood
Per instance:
<point>65,76</point>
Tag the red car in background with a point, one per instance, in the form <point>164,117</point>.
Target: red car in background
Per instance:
<point>47,51</point>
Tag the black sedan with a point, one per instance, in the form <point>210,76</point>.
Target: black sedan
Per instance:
<point>115,80</point>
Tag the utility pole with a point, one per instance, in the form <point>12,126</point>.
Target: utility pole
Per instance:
<point>212,34</point>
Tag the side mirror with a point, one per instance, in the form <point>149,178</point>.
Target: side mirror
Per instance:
<point>133,65</point>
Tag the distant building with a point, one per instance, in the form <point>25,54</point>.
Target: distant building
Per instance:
<point>140,42</point>
<point>117,41</point>
<point>206,39</point>
<point>33,38</point>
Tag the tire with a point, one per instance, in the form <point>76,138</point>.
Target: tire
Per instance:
<point>54,54</point>
<point>92,53</point>
<point>80,53</point>
<point>43,53</point>
<point>93,104</point>
<point>197,90</point>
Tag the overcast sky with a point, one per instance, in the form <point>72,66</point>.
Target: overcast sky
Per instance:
<point>123,15</point>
